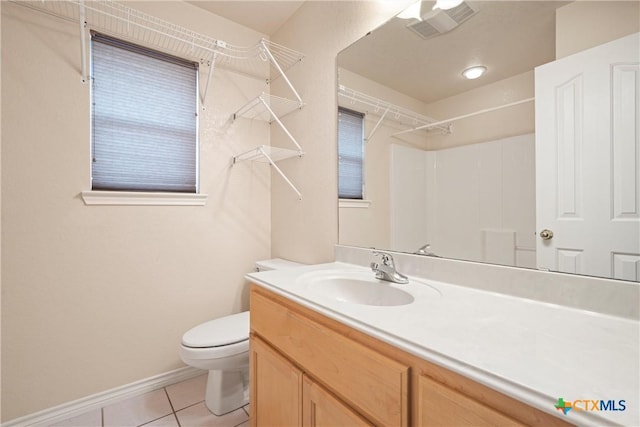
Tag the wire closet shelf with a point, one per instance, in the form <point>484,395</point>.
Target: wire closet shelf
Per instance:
<point>265,59</point>
<point>116,19</point>
<point>388,111</point>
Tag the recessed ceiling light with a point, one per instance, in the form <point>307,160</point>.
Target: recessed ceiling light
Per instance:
<point>474,72</point>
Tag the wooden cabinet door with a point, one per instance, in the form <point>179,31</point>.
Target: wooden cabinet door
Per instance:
<point>371,383</point>
<point>438,405</point>
<point>276,388</point>
<point>321,409</point>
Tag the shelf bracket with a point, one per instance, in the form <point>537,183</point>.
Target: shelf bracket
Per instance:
<point>212,65</point>
<point>273,164</point>
<point>273,60</point>
<point>375,128</point>
<point>277,120</point>
<point>263,153</point>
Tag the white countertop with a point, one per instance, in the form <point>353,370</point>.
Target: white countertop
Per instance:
<point>532,351</point>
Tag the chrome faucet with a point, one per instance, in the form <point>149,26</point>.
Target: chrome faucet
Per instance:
<point>387,270</point>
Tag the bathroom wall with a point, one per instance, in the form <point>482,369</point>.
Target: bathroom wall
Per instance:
<point>515,120</point>
<point>95,297</point>
<point>584,24</point>
<point>307,230</point>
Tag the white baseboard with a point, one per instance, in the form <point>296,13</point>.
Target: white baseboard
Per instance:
<point>99,400</point>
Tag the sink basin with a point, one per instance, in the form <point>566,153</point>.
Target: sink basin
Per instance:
<point>355,289</point>
<point>364,292</point>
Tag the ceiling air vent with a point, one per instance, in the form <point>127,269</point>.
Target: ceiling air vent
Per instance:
<point>440,21</point>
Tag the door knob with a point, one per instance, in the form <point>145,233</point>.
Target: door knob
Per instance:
<point>546,234</point>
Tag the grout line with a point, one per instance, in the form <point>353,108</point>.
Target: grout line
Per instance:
<point>193,404</point>
<point>156,419</point>
<point>173,410</point>
<point>175,415</point>
<point>169,399</point>
<point>166,415</point>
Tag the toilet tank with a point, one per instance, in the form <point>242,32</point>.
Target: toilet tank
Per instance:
<point>275,264</point>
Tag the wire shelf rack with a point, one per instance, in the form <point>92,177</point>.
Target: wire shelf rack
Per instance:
<point>271,155</point>
<point>274,154</point>
<point>266,106</point>
<point>386,110</point>
<point>265,59</point>
<point>116,19</point>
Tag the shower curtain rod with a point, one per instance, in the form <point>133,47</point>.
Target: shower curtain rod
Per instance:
<point>464,116</point>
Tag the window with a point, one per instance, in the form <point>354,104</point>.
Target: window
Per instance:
<point>144,119</point>
<point>350,154</point>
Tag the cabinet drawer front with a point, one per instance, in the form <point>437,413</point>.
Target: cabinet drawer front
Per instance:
<point>441,406</point>
<point>373,384</point>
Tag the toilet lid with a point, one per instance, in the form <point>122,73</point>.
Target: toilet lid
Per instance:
<point>219,332</point>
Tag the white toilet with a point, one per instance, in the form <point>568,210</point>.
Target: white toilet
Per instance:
<point>221,346</point>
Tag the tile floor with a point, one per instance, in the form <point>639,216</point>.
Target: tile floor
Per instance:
<point>177,405</point>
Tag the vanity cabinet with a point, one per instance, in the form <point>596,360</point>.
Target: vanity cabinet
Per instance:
<point>284,396</point>
<point>310,370</point>
<point>364,381</point>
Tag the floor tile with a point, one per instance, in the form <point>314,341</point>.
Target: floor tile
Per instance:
<point>168,421</point>
<point>188,392</point>
<point>89,419</point>
<point>199,416</point>
<point>137,410</point>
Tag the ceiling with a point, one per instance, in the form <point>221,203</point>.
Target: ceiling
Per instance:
<point>265,16</point>
<point>508,37</point>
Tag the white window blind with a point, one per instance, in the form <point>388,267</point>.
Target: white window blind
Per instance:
<point>350,154</point>
<point>144,119</point>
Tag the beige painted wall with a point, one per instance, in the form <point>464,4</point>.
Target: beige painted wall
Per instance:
<point>503,123</point>
<point>307,230</point>
<point>584,24</point>
<point>97,297</point>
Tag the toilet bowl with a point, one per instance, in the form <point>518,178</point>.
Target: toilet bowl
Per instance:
<point>221,346</point>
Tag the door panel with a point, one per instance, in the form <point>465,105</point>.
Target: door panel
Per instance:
<point>588,161</point>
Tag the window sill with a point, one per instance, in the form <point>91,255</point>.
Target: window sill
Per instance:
<point>354,203</point>
<point>134,198</point>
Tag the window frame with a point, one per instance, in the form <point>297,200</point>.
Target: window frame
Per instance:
<point>351,201</point>
<point>145,197</point>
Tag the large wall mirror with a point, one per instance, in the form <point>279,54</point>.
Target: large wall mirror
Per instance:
<point>533,164</point>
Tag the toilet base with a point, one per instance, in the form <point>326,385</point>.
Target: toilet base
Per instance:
<point>227,390</point>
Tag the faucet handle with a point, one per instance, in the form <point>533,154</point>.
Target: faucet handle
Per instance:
<point>387,259</point>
